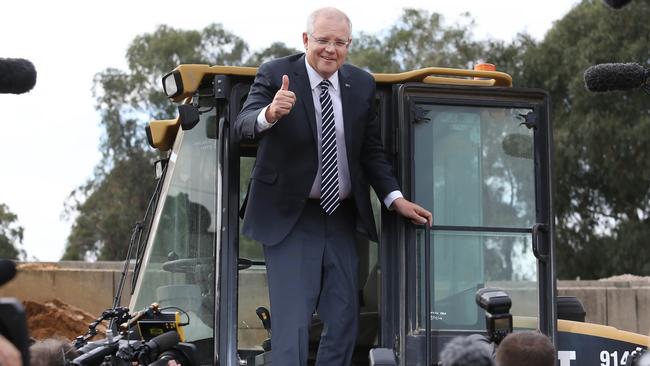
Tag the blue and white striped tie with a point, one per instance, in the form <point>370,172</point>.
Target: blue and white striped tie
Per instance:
<point>329,188</point>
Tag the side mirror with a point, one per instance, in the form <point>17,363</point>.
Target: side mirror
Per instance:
<point>188,115</point>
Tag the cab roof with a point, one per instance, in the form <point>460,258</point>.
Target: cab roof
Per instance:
<point>192,75</point>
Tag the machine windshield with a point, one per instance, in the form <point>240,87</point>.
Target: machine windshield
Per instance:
<point>474,169</point>
<point>178,269</point>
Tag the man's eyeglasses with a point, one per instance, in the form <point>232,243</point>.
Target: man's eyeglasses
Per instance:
<point>326,42</point>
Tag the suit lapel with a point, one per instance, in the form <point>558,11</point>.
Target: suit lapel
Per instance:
<point>304,94</point>
<point>346,104</point>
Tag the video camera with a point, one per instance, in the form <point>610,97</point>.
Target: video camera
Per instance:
<point>13,322</point>
<point>152,336</point>
<point>498,320</point>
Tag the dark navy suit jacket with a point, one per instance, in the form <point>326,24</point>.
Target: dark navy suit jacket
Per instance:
<point>287,157</point>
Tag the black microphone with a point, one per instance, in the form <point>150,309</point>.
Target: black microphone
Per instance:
<point>616,76</point>
<point>17,75</point>
<point>616,4</point>
<point>157,345</point>
<point>7,271</point>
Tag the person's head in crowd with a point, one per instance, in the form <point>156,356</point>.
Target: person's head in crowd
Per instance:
<point>526,348</point>
<point>644,360</point>
<point>52,352</point>
<point>467,351</point>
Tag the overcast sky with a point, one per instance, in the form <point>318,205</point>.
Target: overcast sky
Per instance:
<point>49,137</point>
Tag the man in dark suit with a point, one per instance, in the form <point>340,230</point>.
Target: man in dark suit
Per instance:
<point>319,149</point>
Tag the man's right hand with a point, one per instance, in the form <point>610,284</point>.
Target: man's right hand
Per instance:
<point>282,102</point>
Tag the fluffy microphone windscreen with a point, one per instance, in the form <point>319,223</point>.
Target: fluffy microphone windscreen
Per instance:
<point>616,4</point>
<point>607,77</point>
<point>17,75</point>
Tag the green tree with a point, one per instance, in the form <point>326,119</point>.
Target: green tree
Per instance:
<point>602,161</point>
<point>418,39</point>
<point>106,206</point>
<point>11,235</point>
<point>275,50</point>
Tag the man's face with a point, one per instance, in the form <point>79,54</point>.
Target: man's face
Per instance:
<point>327,47</point>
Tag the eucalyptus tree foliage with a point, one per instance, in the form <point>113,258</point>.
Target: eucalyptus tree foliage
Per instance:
<point>602,159</point>
<point>11,235</point>
<point>106,206</point>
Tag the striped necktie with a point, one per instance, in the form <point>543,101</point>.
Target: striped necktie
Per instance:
<point>329,189</point>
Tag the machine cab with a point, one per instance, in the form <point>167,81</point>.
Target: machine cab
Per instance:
<point>464,144</point>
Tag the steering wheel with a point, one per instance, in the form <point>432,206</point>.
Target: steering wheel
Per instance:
<point>186,265</point>
<point>189,265</point>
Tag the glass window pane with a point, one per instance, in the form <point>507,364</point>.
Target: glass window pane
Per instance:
<point>248,248</point>
<point>178,269</point>
<point>474,166</point>
<point>462,263</point>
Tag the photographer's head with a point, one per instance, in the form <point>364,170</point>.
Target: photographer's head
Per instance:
<point>466,351</point>
<point>52,352</point>
<point>526,348</point>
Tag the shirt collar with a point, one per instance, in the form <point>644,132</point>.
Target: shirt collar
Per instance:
<point>315,78</point>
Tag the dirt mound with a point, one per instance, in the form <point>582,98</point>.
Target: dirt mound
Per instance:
<point>54,318</point>
<point>626,278</point>
<point>37,266</point>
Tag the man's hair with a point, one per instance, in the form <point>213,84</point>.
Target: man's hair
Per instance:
<point>52,352</point>
<point>526,348</point>
<point>466,351</point>
<point>329,12</point>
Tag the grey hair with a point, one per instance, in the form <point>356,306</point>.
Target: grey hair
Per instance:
<point>466,351</point>
<point>326,11</point>
<point>52,352</point>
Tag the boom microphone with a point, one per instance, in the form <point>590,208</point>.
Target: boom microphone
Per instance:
<point>616,4</point>
<point>17,75</point>
<point>7,271</point>
<point>608,77</point>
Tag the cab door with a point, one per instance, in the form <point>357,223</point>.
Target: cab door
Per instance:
<point>479,159</point>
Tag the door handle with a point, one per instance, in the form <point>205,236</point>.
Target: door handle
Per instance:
<point>538,228</point>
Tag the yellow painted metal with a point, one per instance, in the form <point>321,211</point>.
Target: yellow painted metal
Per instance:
<point>590,329</point>
<point>446,76</point>
<point>163,133</point>
<point>192,74</point>
<point>603,331</point>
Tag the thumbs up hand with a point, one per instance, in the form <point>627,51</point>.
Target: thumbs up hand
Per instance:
<point>282,102</point>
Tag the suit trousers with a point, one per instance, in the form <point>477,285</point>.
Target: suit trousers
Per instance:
<point>315,269</point>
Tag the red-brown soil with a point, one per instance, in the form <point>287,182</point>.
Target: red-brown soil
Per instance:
<point>57,319</point>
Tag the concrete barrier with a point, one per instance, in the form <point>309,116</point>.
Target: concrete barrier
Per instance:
<point>92,287</point>
<point>88,286</point>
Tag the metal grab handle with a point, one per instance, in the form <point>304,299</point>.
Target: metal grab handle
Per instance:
<point>447,75</point>
<point>537,228</point>
<point>427,293</point>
